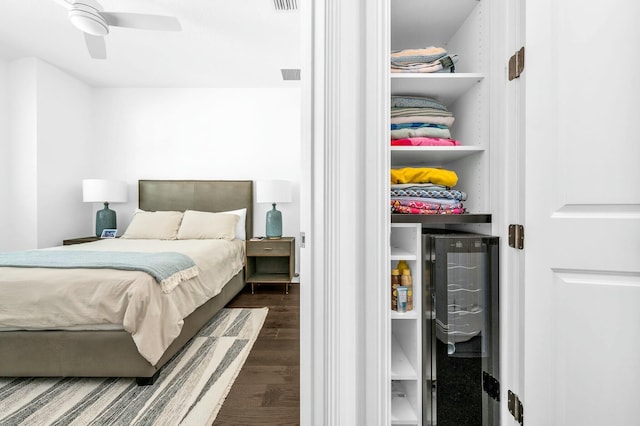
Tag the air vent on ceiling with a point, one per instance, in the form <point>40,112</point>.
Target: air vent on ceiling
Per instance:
<point>290,74</point>
<point>284,5</point>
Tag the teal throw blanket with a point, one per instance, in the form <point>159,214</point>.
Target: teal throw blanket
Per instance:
<point>168,268</point>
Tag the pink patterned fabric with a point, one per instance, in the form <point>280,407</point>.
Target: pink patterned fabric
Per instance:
<point>424,204</point>
<point>415,205</point>
<point>413,210</point>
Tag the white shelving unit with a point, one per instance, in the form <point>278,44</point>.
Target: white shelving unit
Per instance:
<point>461,27</point>
<point>406,361</point>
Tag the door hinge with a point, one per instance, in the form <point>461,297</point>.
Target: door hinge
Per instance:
<point>516,236</point>
<point>491,385</point>
<point>515,407</point>
<point>516,64</point>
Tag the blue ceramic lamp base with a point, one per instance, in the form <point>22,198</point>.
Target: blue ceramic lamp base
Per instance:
<point>105,219</point>
<point>274,223</point>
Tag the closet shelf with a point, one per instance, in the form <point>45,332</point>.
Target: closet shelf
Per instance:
<point>409,315</point>
<point>445,87</point>
<point>398,253</point>
<point>430,155</point>
<point>401,368</point>
<point>441,219</point>
<point>402,413</point>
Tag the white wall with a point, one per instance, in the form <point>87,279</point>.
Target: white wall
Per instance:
<point>22,231</point>
<point>65,135</point>
<point>49,124</point>
<point>199,134</point>
<point>4,155</point>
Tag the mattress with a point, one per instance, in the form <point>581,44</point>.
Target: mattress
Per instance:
<point>46,298</point>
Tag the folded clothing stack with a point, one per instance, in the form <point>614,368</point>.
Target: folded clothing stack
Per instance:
<point>425,191</point>
<point>428,59</point>
<point>420,121</point>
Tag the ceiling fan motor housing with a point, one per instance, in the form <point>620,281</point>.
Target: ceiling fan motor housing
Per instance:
<point>85,15</point>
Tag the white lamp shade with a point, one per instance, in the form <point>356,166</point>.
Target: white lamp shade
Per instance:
<point>273,191</point>
<point>103,190</point>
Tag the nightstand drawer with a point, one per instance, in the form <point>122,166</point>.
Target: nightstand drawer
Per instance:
<point>269,248</point>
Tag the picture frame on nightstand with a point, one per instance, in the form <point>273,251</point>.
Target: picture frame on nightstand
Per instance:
<point>109,233</point>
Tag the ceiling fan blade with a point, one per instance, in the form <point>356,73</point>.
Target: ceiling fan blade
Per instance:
<point>96,46</point>
<point>64,3</point>
<point>142,21</point>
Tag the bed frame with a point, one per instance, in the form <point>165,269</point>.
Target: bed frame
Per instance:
<point>56,353</point>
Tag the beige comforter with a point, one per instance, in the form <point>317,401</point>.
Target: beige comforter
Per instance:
<point>42,298</point>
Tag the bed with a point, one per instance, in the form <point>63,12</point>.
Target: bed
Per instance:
<point>113,352</point>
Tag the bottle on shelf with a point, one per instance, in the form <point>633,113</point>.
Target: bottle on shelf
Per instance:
<point>402,299</point>
<point>395,283</point>
<point>402,265</point>
<point>407,281</point>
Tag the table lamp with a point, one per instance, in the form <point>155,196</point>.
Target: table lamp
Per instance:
<point>273,191</point>
<point>104,191</point>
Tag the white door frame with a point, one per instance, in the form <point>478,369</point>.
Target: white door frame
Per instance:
<point>344,317</point>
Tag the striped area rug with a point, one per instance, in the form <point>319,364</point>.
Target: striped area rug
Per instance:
<point>189,391</point>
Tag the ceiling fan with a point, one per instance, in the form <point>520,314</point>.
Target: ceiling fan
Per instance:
<point>91,18</point>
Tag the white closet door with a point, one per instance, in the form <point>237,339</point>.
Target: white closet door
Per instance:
<point>582,215</point>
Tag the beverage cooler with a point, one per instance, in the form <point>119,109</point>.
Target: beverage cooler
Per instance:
<point>460,332</point>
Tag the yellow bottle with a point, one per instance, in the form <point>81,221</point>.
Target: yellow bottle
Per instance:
<point>402,265</point>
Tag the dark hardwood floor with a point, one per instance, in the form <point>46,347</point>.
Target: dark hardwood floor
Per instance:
<point>267,390</point>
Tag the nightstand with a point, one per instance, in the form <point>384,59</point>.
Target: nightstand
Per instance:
<point>79,240</point>
<point>270,261</point>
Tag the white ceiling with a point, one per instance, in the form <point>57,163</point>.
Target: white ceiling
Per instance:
<point>230,43</point>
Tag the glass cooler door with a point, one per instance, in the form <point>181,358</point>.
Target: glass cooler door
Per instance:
<point>460,329</point>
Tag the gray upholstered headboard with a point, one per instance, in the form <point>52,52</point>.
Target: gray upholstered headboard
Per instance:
<point>202,195</point>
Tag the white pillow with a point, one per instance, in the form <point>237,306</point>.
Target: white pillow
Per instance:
<point>240,227</point>
<point>201,225</point>
<point>154,225</point>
